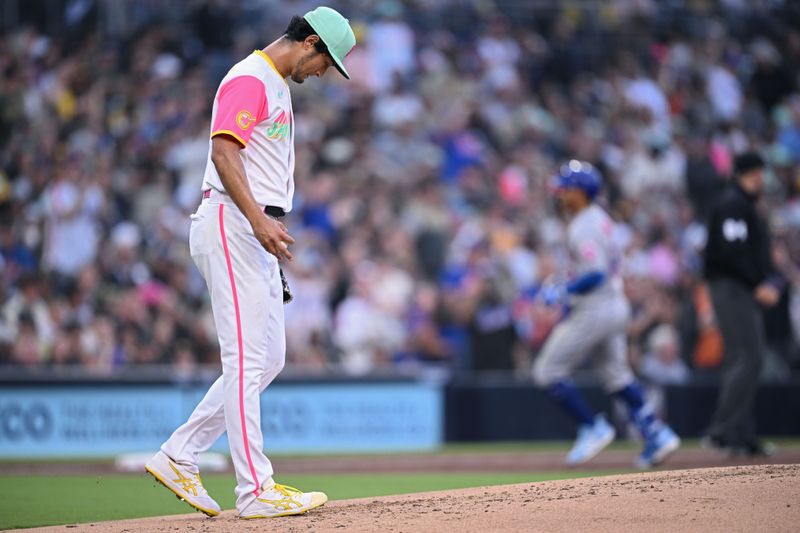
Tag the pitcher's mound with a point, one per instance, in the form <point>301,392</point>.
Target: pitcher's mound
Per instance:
<point>744,498</point>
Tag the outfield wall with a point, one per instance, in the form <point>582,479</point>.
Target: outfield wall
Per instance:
<point>103,418</point>
<point>90,421</point>
<point>496,410</point>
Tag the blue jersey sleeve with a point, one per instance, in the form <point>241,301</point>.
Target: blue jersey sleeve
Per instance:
<point>586,282</point>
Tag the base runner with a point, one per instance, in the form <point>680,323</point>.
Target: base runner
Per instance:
<point>595,326</point>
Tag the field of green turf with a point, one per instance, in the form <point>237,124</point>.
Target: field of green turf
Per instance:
<point>75,499</point>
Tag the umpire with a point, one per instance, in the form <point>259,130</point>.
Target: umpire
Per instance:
<point>742,280</point>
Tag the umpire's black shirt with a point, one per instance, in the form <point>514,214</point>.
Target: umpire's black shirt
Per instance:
<point>738,246</point>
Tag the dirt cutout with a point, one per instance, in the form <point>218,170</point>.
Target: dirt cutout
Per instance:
<point>741,498</point>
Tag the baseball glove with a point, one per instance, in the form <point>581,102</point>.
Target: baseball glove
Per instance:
<point>287,292</point>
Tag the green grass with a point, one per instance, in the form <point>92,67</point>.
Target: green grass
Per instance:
<point>76,499</point>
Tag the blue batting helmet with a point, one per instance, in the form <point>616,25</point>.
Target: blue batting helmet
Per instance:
<point>579,175</point>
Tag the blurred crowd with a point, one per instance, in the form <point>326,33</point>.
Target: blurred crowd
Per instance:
<point>424,218</point>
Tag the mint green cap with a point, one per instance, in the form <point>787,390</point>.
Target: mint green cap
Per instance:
<point>335,32</point>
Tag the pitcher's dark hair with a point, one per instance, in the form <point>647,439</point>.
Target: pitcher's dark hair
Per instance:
<point>299,28</point>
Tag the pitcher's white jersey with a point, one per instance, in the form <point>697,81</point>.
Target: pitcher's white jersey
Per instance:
<point>253,105</point>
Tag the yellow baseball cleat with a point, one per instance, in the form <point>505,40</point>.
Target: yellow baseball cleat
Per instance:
<point>281,500</point>
<point>186,484</point>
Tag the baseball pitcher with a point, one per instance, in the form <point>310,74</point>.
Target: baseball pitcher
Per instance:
<point>236,241</point>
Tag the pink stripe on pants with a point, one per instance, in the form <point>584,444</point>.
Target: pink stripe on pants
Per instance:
<point>241,348</point>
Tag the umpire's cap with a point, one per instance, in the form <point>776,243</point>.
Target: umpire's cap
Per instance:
<point>746,162</point>
<point>579,175</point>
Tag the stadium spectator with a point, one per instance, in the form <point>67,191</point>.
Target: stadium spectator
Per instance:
<point>662,365</point>
<point>445,141</point>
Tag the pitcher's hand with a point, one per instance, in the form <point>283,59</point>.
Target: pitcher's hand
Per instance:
<point>274,237</point>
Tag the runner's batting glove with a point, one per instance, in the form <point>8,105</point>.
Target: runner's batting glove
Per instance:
<point>553,295</point>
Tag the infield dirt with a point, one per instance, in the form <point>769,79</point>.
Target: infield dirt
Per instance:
<point>739,498</point>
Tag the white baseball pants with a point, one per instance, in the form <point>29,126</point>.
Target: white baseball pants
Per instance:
<point>247,302</point>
